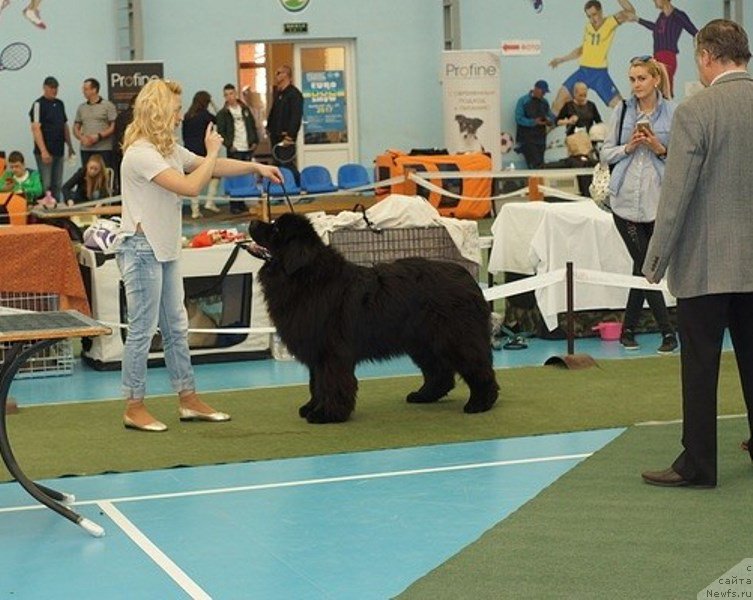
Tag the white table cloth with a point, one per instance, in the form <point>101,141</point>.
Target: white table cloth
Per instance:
<point>538,237</point>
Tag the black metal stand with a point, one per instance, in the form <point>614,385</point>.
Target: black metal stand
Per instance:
<point>53,499</point>
<point>571,360</point>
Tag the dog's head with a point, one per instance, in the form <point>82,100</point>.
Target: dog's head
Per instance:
<point>290,241</point>
<point>468,125</point>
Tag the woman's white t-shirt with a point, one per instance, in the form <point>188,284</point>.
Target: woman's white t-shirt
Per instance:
<point>144,202</point>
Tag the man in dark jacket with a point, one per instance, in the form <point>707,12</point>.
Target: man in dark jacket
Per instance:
<point>533,116</point>
<point>236,125</point>
<point>284,119</point>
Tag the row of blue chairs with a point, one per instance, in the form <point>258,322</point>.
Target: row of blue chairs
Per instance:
<point>315,179</point>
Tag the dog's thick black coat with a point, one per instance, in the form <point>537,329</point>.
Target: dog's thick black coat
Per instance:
<point>333,314</point>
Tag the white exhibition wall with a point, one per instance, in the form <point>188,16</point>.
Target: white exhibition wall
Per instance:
<point>398,46</point>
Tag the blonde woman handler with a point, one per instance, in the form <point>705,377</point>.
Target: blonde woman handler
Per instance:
<point>156,173</point>
<point>636,181</point>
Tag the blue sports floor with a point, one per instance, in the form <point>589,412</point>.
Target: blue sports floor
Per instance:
<point>361,525</point>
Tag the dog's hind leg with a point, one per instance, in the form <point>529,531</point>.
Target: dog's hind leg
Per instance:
<point>475,366</point>
<point>335,390</point>
<point>439,379</point>
<point>482,382</point>
<point>304,410</point>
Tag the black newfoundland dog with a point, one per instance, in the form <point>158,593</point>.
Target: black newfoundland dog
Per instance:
<point>333,314</point>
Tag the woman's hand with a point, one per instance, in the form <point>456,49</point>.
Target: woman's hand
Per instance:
<point>212,140</point>
<point>635,140</point>
<point>270,172</point>
<point>653,142</point>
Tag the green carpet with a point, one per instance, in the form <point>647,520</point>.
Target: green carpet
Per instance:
<point>600,532</point>
<point>88,438</point>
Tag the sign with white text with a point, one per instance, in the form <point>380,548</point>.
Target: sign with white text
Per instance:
<point>471,90</point>
<point>125,80</point>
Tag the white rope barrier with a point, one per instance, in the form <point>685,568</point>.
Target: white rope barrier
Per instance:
<point>617,280</point>
<point>421,182</point>
<point>544,280</point>
<point>506,174</point>
<point>529,284</point>
<point>225,330</point>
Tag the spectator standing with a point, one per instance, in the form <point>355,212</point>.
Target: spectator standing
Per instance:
<point>236,125</point>
<point>49,126</point>
<point>284,120</point>
<point>636,183</point>
<point>195,123</point>
<point>533,116</point>
<point>703,240</point>
<point>94,124</point>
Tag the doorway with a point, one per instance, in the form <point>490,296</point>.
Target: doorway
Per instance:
<point>324,73</point>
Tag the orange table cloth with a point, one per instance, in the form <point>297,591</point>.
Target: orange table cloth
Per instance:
<point>41,259</point>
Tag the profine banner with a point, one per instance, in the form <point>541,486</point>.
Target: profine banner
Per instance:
<point>125,79</point>
<point>471,83</point>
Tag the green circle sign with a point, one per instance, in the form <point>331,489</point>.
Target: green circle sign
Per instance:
<point>294,5</point>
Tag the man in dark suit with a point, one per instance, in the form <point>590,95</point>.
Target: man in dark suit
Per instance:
<point>704,240</point>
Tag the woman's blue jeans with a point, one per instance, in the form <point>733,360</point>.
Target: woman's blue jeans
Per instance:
<point>154,296</point>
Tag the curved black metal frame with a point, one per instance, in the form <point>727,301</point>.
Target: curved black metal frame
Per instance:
<point>14,359</point>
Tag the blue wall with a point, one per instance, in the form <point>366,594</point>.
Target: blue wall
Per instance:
<point>398,47</point>
<point>81,37</point>
<point>559,26</point>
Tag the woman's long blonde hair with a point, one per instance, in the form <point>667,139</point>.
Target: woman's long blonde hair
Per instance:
<point>154,116</point>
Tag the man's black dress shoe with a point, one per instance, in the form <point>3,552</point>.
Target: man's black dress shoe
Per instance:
<point>670,478</point>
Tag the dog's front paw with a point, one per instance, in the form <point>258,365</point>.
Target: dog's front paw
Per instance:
<point>318,416</point>
<point>304,410</point>
<point>419,398</point>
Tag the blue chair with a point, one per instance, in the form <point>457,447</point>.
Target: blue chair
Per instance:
<point>352,175</point>
<point>316,179</point>
<point>288,180</point>
<point>241,186</point>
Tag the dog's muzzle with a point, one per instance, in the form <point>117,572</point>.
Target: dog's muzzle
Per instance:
<point>256,250</point>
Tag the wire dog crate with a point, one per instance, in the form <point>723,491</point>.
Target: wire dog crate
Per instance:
<point>53,361</point>
<point>366,248</point>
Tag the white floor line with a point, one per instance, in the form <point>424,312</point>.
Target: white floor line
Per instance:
<point>675,421</point>
<point>160,558</point>
<point>324,480</point>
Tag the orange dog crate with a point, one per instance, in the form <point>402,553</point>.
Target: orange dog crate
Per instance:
<point>394,163</point>
<point>12,209</point>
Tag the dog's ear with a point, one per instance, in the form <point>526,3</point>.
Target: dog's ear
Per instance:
<point>297,257</point>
